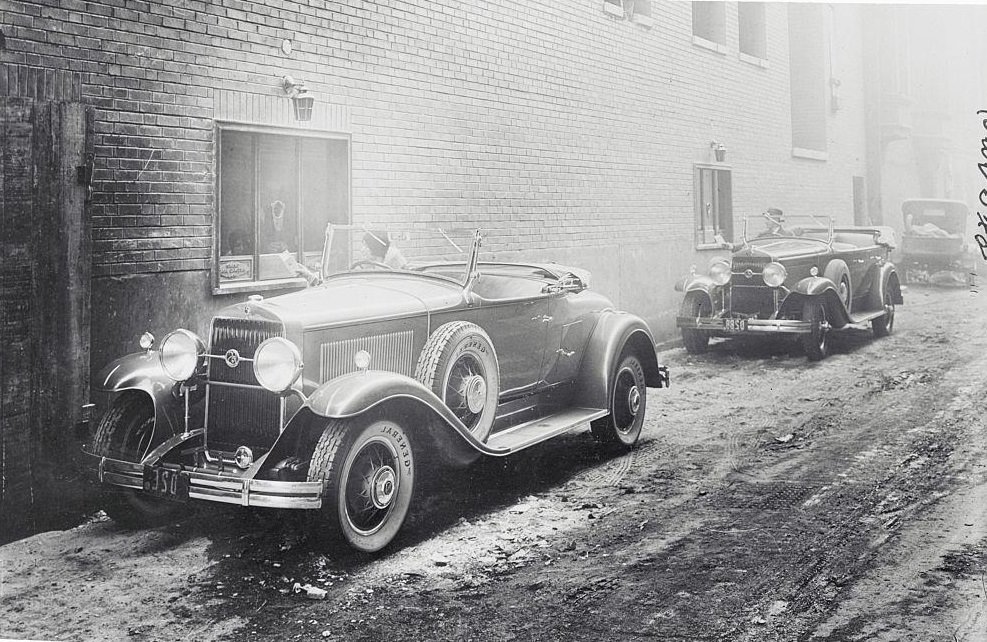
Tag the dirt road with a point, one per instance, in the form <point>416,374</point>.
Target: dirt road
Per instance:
<point>770,499</point>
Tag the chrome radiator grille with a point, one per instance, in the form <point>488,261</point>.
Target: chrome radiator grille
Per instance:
<point>391,351</point>
<point>749,294</point>
<point>740,266</point>
<point>240,416</point>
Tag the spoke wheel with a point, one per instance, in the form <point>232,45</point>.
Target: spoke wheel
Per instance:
<point>628,403</point>
<point>127,432</point>
<point>368,471</point>
<point>816,342</point>
<point>459,364</point>
<point>883,326</point>
<point>371,486</point>
<point>844,291</point>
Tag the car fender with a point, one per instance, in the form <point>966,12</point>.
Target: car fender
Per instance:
<point>360,392</point>
<point>696,282</point>
<point>142,371</point>
<point>613,333</point>
<point>814,286</point>
<point>887,277</point>
<point>821,288</point>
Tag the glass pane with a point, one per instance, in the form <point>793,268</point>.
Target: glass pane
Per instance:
<point>277,204</point>
<point>236,218</point>
<point>707,214</point>
<point>325,198</point>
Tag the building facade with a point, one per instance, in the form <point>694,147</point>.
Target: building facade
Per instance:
<point>579,132</point>
<point>621,137</point>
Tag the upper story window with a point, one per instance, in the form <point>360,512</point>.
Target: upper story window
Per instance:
<point>753,32</point>
<point>807,49</point>
<point>709,21</point>
<point>276,193</point>
<point>714,205</point>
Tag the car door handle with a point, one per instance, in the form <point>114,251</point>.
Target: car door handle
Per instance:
<point>544,318</point>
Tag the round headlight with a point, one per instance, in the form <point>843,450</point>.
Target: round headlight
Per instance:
<point>180,354</point>
<point>277,363</point>
<point>774,274</point>
<point>719,271</point>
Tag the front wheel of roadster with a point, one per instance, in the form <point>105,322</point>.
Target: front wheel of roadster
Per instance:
<point>367,468</point>
<point>628,402</point>
<point>816,341</point>
<point>127,432</point>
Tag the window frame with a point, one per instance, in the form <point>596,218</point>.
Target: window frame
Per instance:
<point>709,40</point>
<point>697,221</point>
<point>755,30</point>
<point>261,285</point>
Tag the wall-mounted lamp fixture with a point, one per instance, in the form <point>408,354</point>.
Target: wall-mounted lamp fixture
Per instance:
<point>303,101</point>
<point>719,151</point>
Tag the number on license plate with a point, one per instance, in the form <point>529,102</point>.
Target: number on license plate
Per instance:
<point>165,482</point>
<point>735,325</point>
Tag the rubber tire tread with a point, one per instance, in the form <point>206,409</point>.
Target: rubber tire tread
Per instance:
<point>810,341</point>
<point>107,426</point>
<point>696,341</point>
<point>879,326</point>
<point>427,367</point>
<point>124,506</point>
<point>329,452</point>
<point>324,523</point>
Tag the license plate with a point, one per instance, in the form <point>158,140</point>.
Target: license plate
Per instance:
<point>735,325</point>
<point>167,483</point>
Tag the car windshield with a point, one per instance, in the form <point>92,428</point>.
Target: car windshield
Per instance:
<point>444,252</point>
<point>770,226</point>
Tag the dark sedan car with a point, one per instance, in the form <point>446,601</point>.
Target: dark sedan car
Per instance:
<point>801,277</point>
<point>331,398</point>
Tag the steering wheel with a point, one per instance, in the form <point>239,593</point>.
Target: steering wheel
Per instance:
<point>369,263</point>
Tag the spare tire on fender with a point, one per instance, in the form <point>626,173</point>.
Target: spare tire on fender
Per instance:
<point>459,364</point>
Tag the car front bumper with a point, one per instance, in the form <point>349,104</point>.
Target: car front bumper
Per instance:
<point>745,326</point>
<point>227,487</point>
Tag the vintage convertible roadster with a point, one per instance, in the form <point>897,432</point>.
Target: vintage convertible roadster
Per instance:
<point>337,398</point>
<point>805,280</point>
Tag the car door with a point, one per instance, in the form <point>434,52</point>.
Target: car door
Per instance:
<point>860,261</point>
<point>515,314</point>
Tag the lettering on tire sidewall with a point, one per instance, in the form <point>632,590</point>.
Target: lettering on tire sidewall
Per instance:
<point>472,344</point>
<point>399,440</point>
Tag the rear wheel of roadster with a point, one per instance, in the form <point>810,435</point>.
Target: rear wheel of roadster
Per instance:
<point>367,469</point>
<point>459,365</point>
<point>628,402</point>
<point>816,342</point>
<point>695,304</point>
<point>127,432</point>
<point>884,325</point>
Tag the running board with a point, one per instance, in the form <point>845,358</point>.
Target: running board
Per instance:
<point>864,317</point>
<point>538,430</point>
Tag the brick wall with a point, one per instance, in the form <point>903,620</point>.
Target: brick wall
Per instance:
<point>566,132</point>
